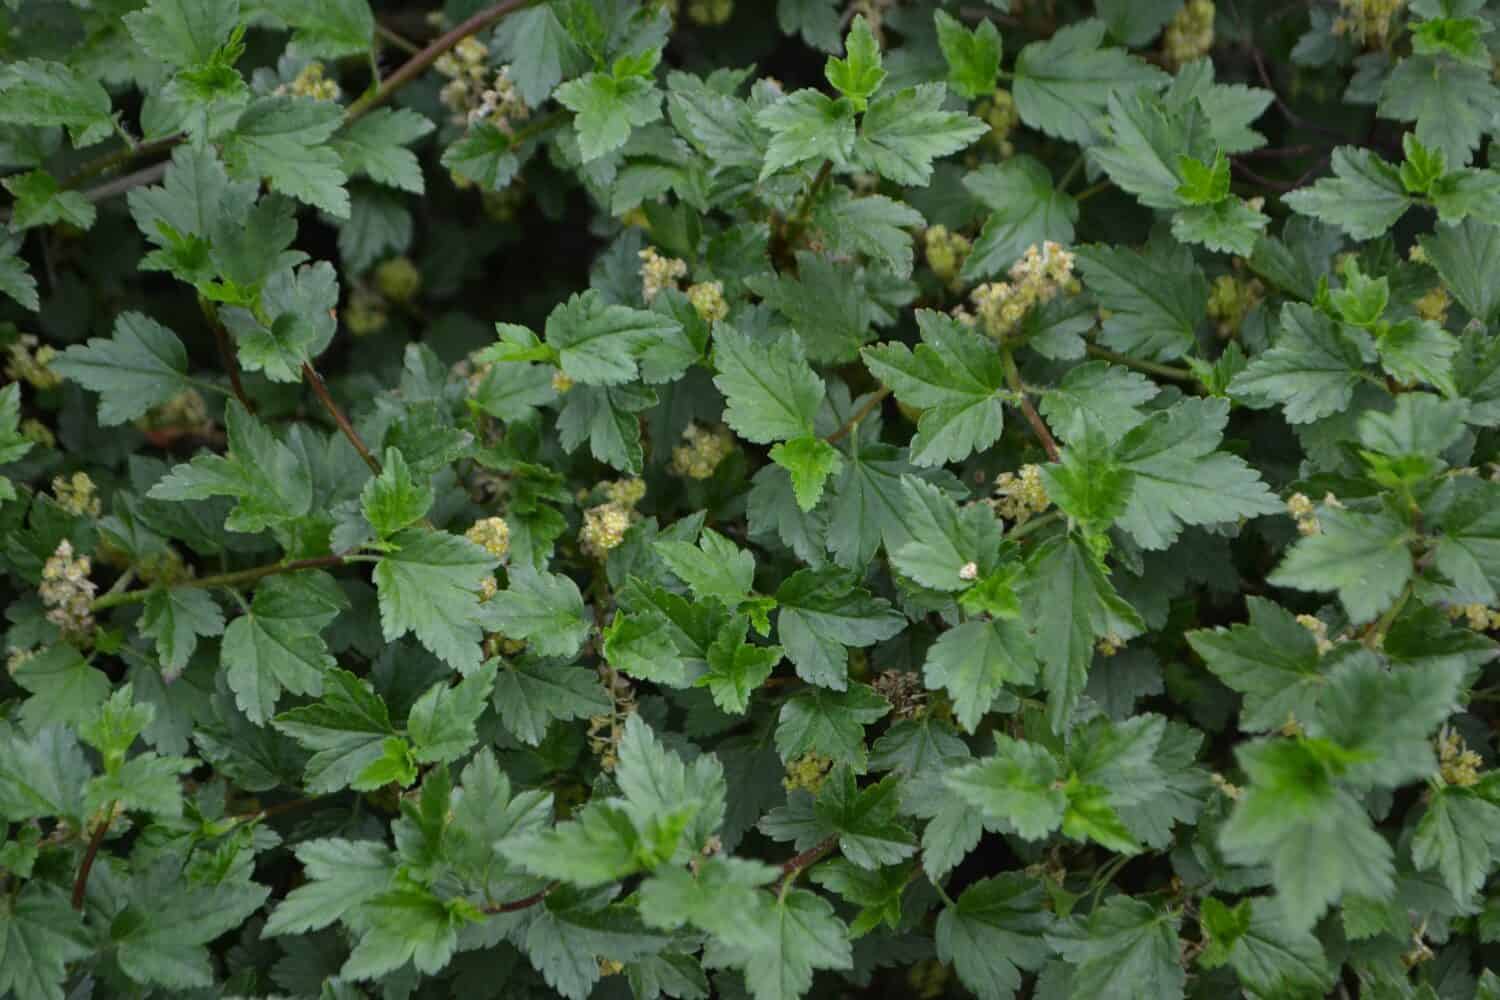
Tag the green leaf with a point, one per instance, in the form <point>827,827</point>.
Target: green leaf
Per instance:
<point>865,819</point>
<point>545,609</point>
<point>1069,597</point>
<point>992,932</point>
<point>300,305</point>
<point>141,365</point>
<point>954,377</point>
<point>1088,483</point>
<point>340,876</point>
<point>530,694</point>
<point>175,618</point>
<point>539,50</point>
<point>15,281</point>
<point>1180,479</point>
<point>1270,957</point>
<point>266,478</point>
<point>715,569</point>
<point>1025,209</point>
<point>1312,370</point>
<point>904,131</point>
<point>606,418</point>
<point>375,145</point>
<point>806,125</point>
<point>639,646</point>
<point>1467,256</point>
<point>1019,784</point>
<point>1126,948</point>
<point>1363,557</point>
<point>810,461</point>
<point>328,30</point>
<point>283,139</point>
<point>38,92</point>
<point>771,392</point>
<point>64,689</point>
<point>1273,661</point>
<point>606,108</point>
<point>162,939</point>
<point>1155,299</point>
<point>873,225</point>
<point>945,538</point>
<point>42,774</point>
<point>1228,226</point>
<point>276,646</point>
<point>183,32</point>
<point>973,57</point>
<point>1468,549</point>
<point>394,500</point>
<point>1364,197</point>
<point>429,586</point>
<point>1316,837</point>
<point>441,722</point>
<point>1062,84</point>
<point>721,895</point>
<point>1452,103</point>
<point>1458,835</point>
<point>796,935</point>
<point>859,75</point>
<point>40,201</point>
<point>736,668</point>
<point>347,729</point>
<point>407,924</point>
<point>973,662</point>
<point>1108,396</point>
<point>598,343</point>
<point>831,723</point>
<point>39,936</point>
<point>822,613</point>
<point>13,447</point>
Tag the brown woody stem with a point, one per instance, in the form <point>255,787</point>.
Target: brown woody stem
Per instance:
<point>321,391</point>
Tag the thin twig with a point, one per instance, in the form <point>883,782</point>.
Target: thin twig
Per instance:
<point>413,67</point>
<point>234,579</point>
<point>791,867</point>
<point>523,903</point>
<point>1038,425</point>
<point>864,411</point>
<point>1149,367</point>
<point>397,39</point>
<point>321,391</point>
<point>798,222</point>
<point>404,74</point>
<point>227,356</point>
<point>81,880</point>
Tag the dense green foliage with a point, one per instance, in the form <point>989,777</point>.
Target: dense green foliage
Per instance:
<point>757,500</point>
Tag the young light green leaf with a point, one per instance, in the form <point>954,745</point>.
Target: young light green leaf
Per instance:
<point>429,586</point>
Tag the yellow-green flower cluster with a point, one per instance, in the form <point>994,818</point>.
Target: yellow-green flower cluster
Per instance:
<point>1304,511</point>
<point>707,299</point>
<point>366,312</point>
<point>605,730</point>
<point>1190,34</point>
<point>710,13</point>
<point>466,68</point>
<point>1018,496</point>
<point>1109,644</point>
<point>1457,764</point>
<point>398,279</point>
<point>1434,305</point>
<point>312,82</point>
<point>1001,115</point>
<point>1230,301</point>
<point>491,534</point>
<point>1041,273</point>
<point>658,273</point>
<point>1368,22</point>
<point>186,411</point>
<point>561,381</point>
<point>1477,616</point>
<point>28,361</point>
<point>807,772</point>
<point>16,657</point>
<point>500,104</point>
<point>605,524</point>
<point>67,592</point>
<point>38,433</point>
<point>701,452</point>
<point>1319,629</point>
<point>77,495</point>
<point>946,252</point>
